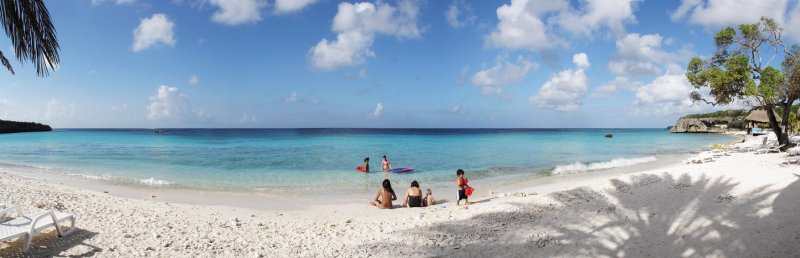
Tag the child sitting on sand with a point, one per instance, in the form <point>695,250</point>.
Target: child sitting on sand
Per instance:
<point>429,200</point>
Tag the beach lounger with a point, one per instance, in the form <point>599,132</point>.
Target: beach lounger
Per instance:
<point>719,153</point>
<point>793,151</point>
<point>791,161</point>
<point>770,149</point>
<point>28,226</point>
<point>702,157</point>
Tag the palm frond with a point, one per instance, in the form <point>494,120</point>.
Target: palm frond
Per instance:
<point>27,23</point>
<point>5,62</point>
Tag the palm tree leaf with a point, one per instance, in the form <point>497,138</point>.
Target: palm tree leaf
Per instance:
<point>5,62</point>
<point>27,23</point>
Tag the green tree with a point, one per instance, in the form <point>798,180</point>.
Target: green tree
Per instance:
<point>738,71</point>
<point>27,24</point>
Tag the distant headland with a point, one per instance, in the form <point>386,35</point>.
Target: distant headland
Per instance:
<point>21,127</point>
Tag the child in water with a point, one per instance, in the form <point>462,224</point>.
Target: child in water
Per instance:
<point>461,182</point>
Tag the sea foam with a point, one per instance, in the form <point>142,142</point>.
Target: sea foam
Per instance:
<point>578,167</point>
<point>94,177</point>
<point>153,181</point>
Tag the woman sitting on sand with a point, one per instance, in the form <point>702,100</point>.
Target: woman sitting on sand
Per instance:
<point>385,196</point>
<point>413,196</point>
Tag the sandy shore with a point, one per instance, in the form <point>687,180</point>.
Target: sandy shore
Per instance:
<point>744,205</point>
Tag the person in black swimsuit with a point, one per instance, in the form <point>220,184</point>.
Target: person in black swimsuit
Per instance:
<point>413,196</point>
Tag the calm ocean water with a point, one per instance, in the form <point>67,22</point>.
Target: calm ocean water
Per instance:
<point>304,160</point>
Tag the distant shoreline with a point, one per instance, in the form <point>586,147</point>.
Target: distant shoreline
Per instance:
<point>22,127</point>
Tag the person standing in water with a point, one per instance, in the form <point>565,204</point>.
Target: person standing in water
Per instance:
<point>385,164</point>
<point>366,164</point>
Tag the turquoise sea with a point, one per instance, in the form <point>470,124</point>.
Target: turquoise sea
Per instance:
<point>305,160</point>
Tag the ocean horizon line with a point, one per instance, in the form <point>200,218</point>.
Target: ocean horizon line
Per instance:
<point>357,128</point>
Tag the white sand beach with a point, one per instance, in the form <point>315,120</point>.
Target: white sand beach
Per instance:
<point>743,205</point>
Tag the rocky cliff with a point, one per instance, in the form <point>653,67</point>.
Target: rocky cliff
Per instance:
<point>717,122</point>
<point>19,127</point>
<point>701,125</point>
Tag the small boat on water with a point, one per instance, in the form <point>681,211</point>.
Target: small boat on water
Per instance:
<point>608,135</point>
<point>158,130</point>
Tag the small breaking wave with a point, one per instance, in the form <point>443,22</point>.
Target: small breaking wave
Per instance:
<point>578,167</point>
<point>153,181</point>
<point>93,177</point>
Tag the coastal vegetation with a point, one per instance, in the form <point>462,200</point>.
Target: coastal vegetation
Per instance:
<point>724,113</point>
<point>738,71</point>
<point>19,127</point>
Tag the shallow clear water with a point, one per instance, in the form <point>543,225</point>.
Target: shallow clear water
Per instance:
<point>304,160</point>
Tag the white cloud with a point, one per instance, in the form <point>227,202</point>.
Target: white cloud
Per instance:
<point>169,104</point>
<point>236,12</point>
<point>117,2</point>
<point>563,91</point>
<point>519,26</point>
<point>581,60</point>
<point>459,14</point>
<point>357,25</point>
<point>152,31</point>
<point>667,94</point>
<point>287,6</point>
<point>714,14</point>
<point>717,13</point>
<point>291,98</point>
<point>639,55</point>
<point>378,111</point>
<point>349,48</point>
<point>618,83</point>
<point>792,24</point>
<point>504,72</point>
<point>57,110</point>
<point>194,79</point>
<point>612,14</point>
<point>533,24</point>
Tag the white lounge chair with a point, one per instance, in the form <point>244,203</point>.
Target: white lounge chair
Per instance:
<point>793,151</point>
<point>719,153</point>
<point>769,149</point>
<point>28,226</point>
<point>791,161</point>
<point>702,157</point>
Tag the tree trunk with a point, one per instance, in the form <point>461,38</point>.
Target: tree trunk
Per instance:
<point>787,110</point>
<point>773,122</point>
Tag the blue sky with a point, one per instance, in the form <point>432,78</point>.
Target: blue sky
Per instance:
<point>321,63</point>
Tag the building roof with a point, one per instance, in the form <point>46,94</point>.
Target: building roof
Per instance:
<point>760,116</point>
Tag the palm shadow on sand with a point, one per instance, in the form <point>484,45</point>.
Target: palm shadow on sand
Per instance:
<point>652,215</point>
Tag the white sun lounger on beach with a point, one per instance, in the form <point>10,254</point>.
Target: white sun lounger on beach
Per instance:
<point>791,161</point>
<point>28,226</point>
<point>702,157</point>
<point>793,151</point>
<point>769,149</point>
<point>719,153</point>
